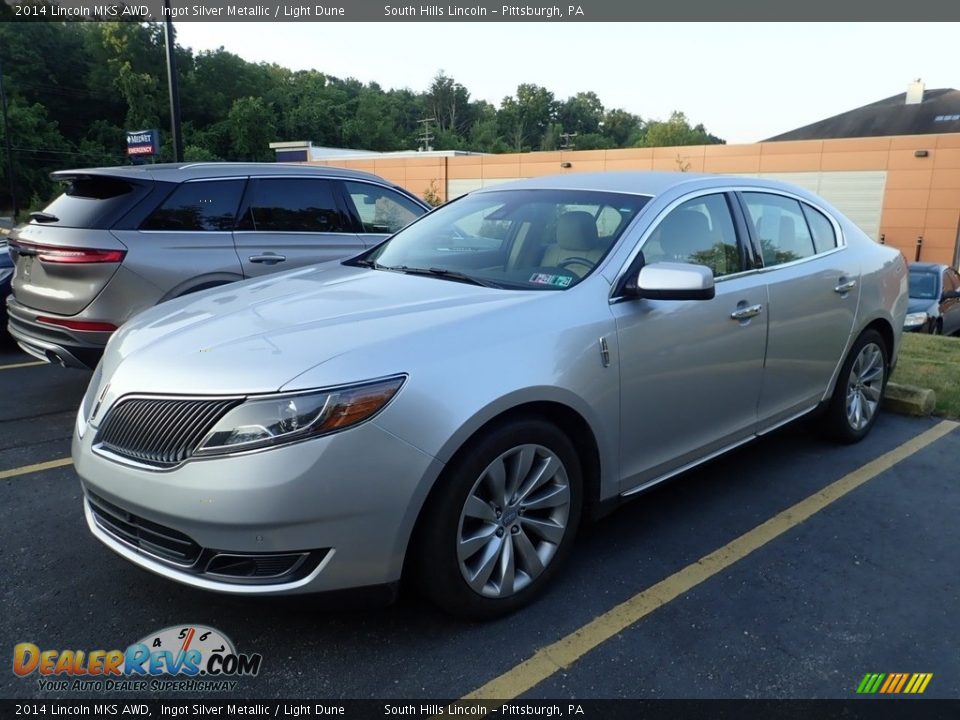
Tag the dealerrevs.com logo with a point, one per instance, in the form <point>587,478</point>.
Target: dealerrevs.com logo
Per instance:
<point>186,658</point>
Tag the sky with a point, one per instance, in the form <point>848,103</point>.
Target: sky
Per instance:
<point>744,81</point>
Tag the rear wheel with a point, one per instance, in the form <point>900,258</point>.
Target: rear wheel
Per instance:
<point>502,521</point>
<point>855,403</point>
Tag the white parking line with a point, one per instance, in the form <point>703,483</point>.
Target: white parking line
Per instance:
<point>22,365</point>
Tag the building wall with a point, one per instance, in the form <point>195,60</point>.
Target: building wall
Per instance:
<point>880,183</point>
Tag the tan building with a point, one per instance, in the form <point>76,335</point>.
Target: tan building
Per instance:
<point>900,190</point>
<point>892,166</point>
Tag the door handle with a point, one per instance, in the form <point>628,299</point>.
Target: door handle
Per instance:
<point>845,286</point>
<point>745,313</point>
<point>268,258</point>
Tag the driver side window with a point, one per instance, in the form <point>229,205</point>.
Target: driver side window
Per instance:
<point>699,231</point>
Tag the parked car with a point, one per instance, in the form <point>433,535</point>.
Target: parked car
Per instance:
<point>934,300</point>
<point>6,273</point>
<point>120,240</point>
<point>448,406</point>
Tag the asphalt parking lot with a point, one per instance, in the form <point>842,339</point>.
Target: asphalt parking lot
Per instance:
<point>703,588</point>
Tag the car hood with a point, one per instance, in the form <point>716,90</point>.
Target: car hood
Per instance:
<point>916,305</point>
<point>257,335</point>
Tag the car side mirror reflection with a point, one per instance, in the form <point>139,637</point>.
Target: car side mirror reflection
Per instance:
<point>675,281</point>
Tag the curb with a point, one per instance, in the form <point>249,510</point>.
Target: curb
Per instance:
<point>909,399</point>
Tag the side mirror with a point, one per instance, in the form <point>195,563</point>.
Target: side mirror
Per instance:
<point>675,281</point>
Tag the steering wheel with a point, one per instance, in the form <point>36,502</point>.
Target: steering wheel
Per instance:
<point>589,264</point>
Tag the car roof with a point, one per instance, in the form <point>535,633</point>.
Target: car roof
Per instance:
<point>643,183</point>
<point>178,172</point>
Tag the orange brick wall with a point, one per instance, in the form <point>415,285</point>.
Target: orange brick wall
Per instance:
<point>921,195</point>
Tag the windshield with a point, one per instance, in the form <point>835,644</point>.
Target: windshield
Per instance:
<point>518,239</point>
<point>923,286</point>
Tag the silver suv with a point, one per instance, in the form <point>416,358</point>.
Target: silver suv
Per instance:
<point>120,240</point>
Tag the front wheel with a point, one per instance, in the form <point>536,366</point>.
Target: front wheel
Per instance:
<point>502,520</point>
<point>856,399</point>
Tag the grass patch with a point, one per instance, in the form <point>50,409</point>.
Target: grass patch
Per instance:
<point>929,361</point>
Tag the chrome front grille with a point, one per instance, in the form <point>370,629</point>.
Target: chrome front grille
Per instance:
<point>161,432</point>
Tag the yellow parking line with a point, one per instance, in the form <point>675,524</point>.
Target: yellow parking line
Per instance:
<point>564,652</point>
<point>37,467</point>
<point>22,365</point>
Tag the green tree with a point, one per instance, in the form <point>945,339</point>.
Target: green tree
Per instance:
<point>448,102</point>
<point>251,128</point>
<point>582,114</point>
<point>677,131</point>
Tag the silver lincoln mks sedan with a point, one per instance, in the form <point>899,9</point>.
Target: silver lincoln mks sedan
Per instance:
<point>447,407</point>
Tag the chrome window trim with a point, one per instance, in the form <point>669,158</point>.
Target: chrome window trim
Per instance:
<point>311,233</point>
<point>181,232</point>
<point>721,190</point>
<point>214,179</point>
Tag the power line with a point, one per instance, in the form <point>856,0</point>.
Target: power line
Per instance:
<point>424,135</point>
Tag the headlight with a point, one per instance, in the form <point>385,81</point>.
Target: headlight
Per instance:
<point>89,398</point>
<point>267,421</point>
<point>914,319</point>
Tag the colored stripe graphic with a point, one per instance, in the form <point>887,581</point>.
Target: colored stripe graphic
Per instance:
<point>894,683</point>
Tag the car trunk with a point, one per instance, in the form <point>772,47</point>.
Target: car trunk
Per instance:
<point>66,254</point>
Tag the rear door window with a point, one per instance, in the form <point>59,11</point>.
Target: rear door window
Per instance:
<point>824,237</point>
<point>292,205</point>
<point>781,228</point>
<point>204,206</point>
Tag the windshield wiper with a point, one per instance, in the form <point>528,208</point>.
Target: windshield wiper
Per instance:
<point>44,217</point>
<point>442,273</point>
<point>367,262</point>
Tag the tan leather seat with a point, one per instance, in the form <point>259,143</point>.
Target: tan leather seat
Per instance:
<point>578,247</point>
<point>683,234</point>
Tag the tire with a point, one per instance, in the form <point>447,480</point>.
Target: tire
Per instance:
<point>494,532</point>
<point>855,404</point>
<point>937,328</point>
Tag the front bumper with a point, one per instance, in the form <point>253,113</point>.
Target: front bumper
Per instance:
<point>347,502</point>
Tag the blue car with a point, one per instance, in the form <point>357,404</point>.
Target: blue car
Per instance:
<point>934,300</point>
<point>6,274</point>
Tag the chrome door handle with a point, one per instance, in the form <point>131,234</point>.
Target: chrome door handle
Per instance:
<point>268,258</point>
<point>745,313</point>
<point>845,287</point>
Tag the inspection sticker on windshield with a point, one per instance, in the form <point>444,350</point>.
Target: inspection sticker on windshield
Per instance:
<point>555,280</point>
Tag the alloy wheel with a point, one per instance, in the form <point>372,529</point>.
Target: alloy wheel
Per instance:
<point>865,386</point>
<point>514,519</point>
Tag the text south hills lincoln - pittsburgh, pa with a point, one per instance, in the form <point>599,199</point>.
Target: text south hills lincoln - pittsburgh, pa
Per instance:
<point>550,12</point>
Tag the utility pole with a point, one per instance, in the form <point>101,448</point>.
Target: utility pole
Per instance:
<point>566,144</point>
<point>171,42</point>
<point>424,136</point>
<point>9,143</point>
